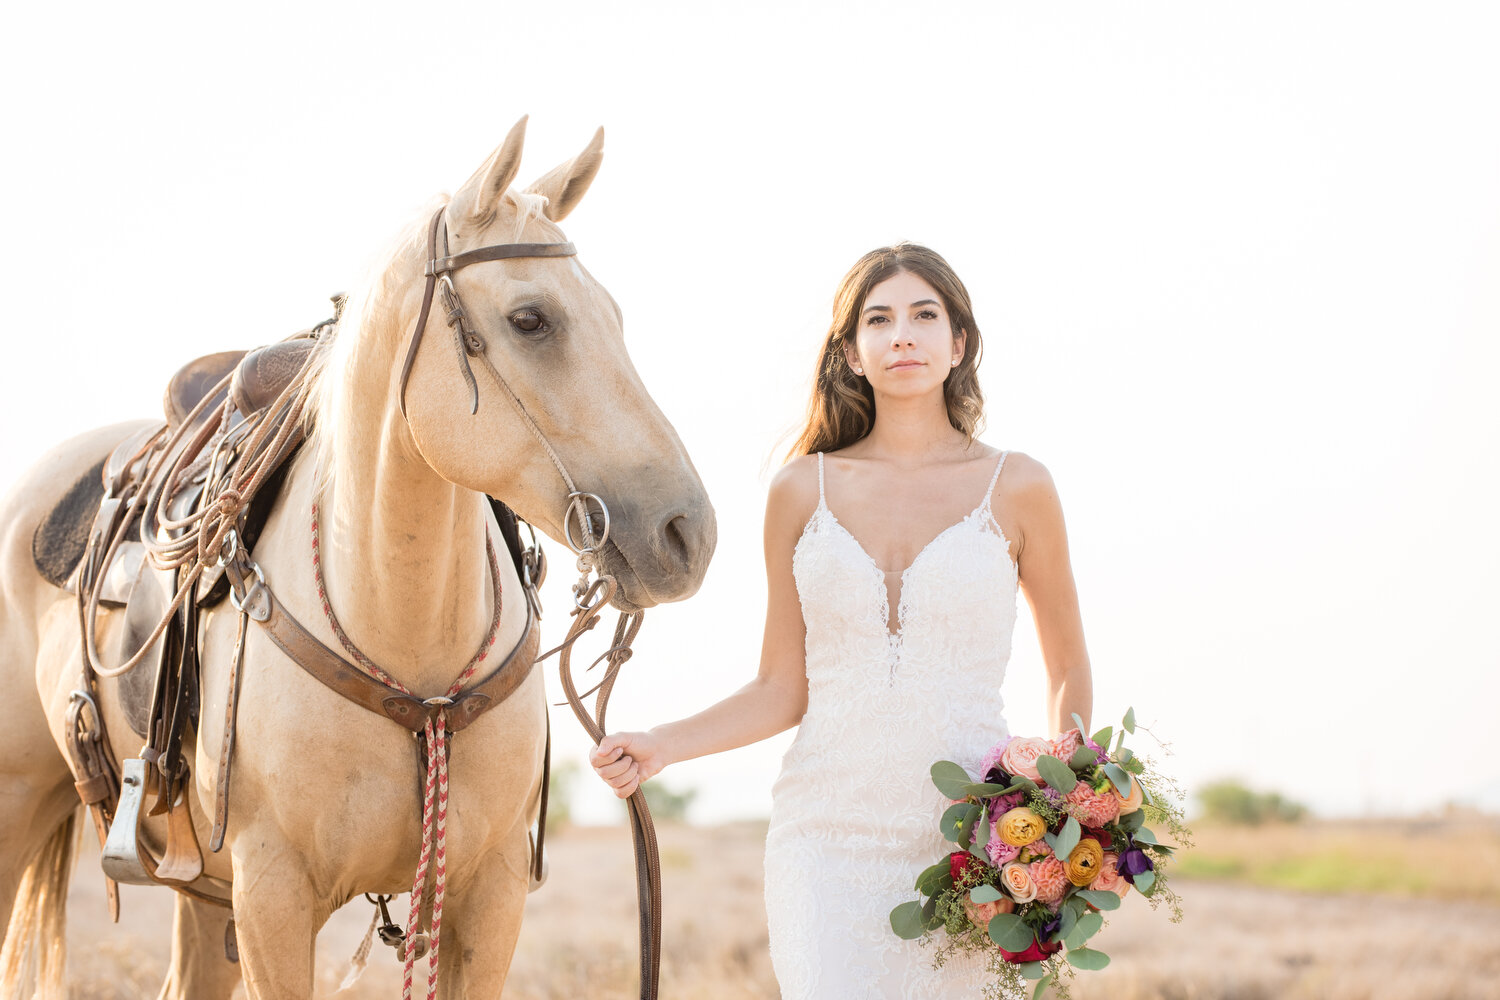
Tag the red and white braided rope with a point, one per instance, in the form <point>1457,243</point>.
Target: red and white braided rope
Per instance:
<point>435,788</point>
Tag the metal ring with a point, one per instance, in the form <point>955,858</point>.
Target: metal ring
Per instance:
<point>579,500</point>
<point>260,582</point>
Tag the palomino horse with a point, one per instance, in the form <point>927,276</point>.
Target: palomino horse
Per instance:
<point>321,806</point>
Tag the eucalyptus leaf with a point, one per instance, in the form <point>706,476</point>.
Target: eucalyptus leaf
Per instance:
<point>1055,773</point>
<point>1082,758</point>
<point>930,919</point>
<point>1087,958</point>
<point>1068,919</point>
<point>1119,778</point>
<point>1131,821</point>
<point>966,829</point>
<point>1032,970</point>
<point>1103,736</point>
<point>1100,898</point>
<point>1145,836</point>
<point>931,881</point>
<point>1126,755</point>
<point>982,789</point>
<point>1134,765</point>
<point>1067,839</point>
<point>952,822</point>
<point>1079,723</point>
<point>951,779</point>
<point>1129,724</point>
<point>985,894</point>
<point>1088,925</point>
<point>1144,882</point>
<point>1051,840</point>
<point>1120,741</point>
<point>1021,783</point>
<point>1010,932</point>
<point>1042,984</point>
<point>906,921</point>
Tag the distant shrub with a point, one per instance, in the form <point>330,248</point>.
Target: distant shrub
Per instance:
<point>666,804</point>
<point>560,793</point>
<point>1232,802</point>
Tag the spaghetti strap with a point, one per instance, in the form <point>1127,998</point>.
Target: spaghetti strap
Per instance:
<point>821,501</point>
<point>984,507</point>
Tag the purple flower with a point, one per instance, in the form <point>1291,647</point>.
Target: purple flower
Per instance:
<point>1133,861</point>
<point>1053,796</point>
<point>1103,757</point>
<point>1050,928</point>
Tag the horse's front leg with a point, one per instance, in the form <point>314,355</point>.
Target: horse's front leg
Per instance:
<point>277,914</point>
<point>200,969</point>
<point>482,919</point>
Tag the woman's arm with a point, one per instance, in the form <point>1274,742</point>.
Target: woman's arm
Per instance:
<point>1046,574</point>
<point>775,699</point>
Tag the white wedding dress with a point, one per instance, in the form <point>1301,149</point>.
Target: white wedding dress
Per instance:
<point>854,814</point>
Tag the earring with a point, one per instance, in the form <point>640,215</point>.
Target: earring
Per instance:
<point>956,361</point>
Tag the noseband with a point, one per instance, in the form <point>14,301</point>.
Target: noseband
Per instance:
<point>439,273</point>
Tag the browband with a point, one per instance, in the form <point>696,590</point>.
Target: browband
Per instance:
<point>500,251</point>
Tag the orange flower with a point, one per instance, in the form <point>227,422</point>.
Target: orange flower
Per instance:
<point>1083,863</point>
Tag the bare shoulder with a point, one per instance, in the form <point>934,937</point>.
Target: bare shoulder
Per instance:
<point>1024,477</point>
<point>793,495</point>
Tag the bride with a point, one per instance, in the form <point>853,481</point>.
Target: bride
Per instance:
<point>895,543</point>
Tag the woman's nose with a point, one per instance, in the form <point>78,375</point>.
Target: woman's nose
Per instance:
<point>902,333</point>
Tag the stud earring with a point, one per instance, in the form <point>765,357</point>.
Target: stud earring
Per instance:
<point>956,361</point>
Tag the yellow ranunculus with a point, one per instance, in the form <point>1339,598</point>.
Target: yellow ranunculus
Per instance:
<point>1084,862</point>
<point>1021,826</point>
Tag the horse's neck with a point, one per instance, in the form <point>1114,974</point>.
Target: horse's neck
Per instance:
<point>402,549</point>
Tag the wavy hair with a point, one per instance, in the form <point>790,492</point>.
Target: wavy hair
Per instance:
<point>842,409</point>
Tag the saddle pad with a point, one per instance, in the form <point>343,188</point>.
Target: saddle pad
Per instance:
<point>59,540</point>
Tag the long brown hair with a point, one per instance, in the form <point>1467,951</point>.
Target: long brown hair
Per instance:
<point>842,409</point>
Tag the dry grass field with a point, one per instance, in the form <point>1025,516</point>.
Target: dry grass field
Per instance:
<point>1431,932</point>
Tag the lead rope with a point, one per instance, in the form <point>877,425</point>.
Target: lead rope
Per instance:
<point>435,788</point>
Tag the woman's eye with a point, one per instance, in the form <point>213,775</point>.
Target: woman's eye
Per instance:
<point>528,321</point>
<point>927,314</point>
<point>875,320</point>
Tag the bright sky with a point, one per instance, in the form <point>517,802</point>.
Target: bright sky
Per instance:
<point>1235,266</point>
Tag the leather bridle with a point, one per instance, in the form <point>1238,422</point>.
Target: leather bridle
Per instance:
<point>439,271</point>
<point>590,598</point>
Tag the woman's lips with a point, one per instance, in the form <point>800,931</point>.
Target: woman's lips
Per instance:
<point>903,365</point>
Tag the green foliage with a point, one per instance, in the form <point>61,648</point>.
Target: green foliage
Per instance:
<point>1056,774</point>
<point>667,805</point>
<point>906,921</point>
<point>1232,802</point>
<point>1010,932</point>
<point>563,779</point>
<point>1087,958</point>
<point>950,779</point>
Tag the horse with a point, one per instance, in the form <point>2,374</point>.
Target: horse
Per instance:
<point>397,465</point>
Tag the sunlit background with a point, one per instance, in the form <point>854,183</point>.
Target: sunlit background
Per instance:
<point>1235,267</point>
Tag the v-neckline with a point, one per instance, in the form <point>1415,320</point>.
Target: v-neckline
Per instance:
<point>885,591</point>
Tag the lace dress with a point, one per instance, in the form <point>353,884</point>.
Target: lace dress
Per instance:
<point>854,812</point>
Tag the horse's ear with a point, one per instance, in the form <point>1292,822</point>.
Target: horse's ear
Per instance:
<point>565,186</point>
<point>480,195</point>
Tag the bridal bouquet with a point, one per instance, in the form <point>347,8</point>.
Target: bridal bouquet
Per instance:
<point>1051,836</point>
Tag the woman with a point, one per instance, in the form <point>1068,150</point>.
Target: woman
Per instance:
<point>888,628</point>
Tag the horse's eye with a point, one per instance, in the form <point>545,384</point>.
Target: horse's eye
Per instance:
<point>528,321</point>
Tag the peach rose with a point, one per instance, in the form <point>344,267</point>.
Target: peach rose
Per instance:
<point>1065,745</point>
<point>1034,852</point>
<point>1051,879</point>
<point>1016,880</point>
<point>1129,803</point>
<point>1020,827</point>
<point>1020,756</point>
<point>1083,863</point>
<point>982,913</point>
<point>1109,878</point>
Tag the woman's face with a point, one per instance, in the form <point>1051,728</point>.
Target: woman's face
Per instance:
<point>904,343</point>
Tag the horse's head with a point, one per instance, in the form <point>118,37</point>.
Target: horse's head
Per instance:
<point>550,371</point>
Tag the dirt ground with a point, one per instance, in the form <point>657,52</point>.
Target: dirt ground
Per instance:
<point>1236,943</point>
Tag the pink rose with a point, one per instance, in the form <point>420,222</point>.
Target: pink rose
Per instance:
<point>1051,879</point>
<point>1016,879</point>
<point>1089,807</point>
<point>1000,852</point>
<point>1021,754</point>
<point>1109,878</point>
<point>1065,745</point>
<point>1130,803</point>
<point>1035,851</point>
<point>982,913</point>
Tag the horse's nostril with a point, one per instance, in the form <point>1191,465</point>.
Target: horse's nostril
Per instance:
<point>676,542</point>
